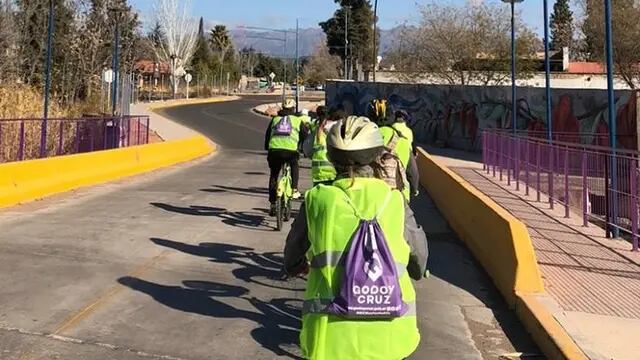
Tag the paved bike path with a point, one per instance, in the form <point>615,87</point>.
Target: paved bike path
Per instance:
<point>181,264</point>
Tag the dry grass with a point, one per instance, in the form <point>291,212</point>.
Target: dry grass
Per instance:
<point>25,102</point>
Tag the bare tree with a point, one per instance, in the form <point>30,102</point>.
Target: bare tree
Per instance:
<point>181,36</point>
<point>322,66</point>
<point>463,44</point>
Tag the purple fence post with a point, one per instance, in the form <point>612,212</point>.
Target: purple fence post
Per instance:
<point>21,147</point>
<point>501,154</point>
<point>585,192</point>
<point>77,137</point>
<point>128,131</point>
<point>104,134</point>
<point>484,151</point>
<point>538,171</point>
<point>516,174</point>
<point>1,149</point>
<point>495,152</point>
<point>634,203</point>
<point>551,175</point>
<point>509,152</point>
<point>138,132</point>
<point>148,124</point>
<point>566,182</point>
<point>60,138</point>
<point>526,168</point>
<point>92,135</point>
<point>43,138</point>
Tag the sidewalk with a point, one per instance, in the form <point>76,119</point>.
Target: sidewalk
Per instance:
<point>593,283</point>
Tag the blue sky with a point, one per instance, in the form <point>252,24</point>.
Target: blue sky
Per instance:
<point>283,13</point>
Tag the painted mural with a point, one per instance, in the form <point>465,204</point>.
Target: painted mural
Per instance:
<point>455,115</point>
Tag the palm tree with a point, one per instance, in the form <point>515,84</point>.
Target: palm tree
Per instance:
<point>221,44</point>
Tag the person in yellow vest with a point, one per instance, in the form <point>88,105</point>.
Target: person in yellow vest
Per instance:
<point>400,124</point>
<point>281,141</point>
<point>398,140</point>
<point>321,236</point>
<point>322,170</point>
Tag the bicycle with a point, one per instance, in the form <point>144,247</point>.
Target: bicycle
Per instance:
<point>284,194</point>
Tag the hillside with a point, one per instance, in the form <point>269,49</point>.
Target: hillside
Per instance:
<point>308,40</point>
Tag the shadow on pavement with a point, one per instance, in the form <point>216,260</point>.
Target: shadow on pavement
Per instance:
<point>452,262</point>
<point>240,219</point>
<point>278,320</point>
<point>250,191</point>
<point>263,269</point>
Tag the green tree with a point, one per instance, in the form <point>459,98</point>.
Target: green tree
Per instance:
<point>203,57</point>
<point>561,25</point>
<point>223,47</point>
<point>626,30</point>
<point>359,15</point>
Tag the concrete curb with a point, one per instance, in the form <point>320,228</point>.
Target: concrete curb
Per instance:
<point>185,102</point>
<point>26,181</point>
<point>501,243</point>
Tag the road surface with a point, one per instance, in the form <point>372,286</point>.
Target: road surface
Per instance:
<point>183,264</point>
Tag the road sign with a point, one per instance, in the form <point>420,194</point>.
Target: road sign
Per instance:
<point>107,76</point>
<point>188,78</point>
<point>272,76</point>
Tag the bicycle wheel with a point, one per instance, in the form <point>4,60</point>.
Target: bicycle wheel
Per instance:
<point>287,211</point>
<point>279,214</point>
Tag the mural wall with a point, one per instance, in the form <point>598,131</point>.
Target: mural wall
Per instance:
<point>455,115</point>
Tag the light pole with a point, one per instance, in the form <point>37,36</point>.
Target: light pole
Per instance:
<point>375,35</point>
<point>47,85</point>
<point>514,105</point>
<point>547,70</point>
<point>115,63</point>
<point>612,116</point>
<point>297,67</point>
<point>174,85</point>
<point>346,41</point>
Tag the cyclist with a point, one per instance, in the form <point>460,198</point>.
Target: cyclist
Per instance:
<point>396,139</point>
<point>322,171</point>
<point>281,141</point>
<point>323,231</point>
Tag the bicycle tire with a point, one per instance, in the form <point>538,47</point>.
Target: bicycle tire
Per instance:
<point>287,211</point>
<point>279,214</point>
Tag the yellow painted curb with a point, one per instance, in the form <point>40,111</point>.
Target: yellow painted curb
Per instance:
<point>550,336</point>
<point>498,240</point>
<point>25,181</point>
<point>501,243</point>
<point>184,102</point>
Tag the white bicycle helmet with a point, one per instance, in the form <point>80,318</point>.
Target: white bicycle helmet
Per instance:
<point>289,104</point>
<point>354,141</point>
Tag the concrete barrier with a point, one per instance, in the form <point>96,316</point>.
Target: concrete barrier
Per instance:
<point>25,181</point>
<point>497,239</point>
<point>501,243</point>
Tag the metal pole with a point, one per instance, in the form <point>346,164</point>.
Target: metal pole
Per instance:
<point>47,86</point>
<point>297,67</point>
<point>547,69</point>
<point>284,62</point>
<point>375,45</point>
<point>514,108</point>
<point>346,42</point>
<point>116,64</point>
<point>612,115</point>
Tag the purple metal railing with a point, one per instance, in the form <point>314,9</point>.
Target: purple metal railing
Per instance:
<point>597,182</point>
<point>20,139</point>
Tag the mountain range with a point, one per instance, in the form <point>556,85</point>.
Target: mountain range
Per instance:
<point>271,42</point>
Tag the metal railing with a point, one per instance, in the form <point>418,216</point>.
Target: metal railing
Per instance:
<point>597,182</point>
<point>21,139</point>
